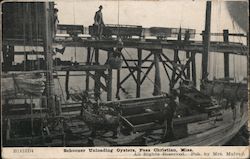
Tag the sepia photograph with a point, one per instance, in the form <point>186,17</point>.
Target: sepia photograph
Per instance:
<point>124,73</point>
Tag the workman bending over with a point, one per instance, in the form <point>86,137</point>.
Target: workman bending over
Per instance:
<point>99,24</point>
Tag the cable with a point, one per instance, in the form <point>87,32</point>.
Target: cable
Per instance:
<point>74,24</point>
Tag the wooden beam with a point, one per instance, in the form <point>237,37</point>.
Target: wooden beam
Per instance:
<point>144,60</point>
<point>100,84</point>
<point>130,70</point>
<point>147,72</point>
<point>82,68</point>
<point>164,66</point>
<point>182,72</point>
<point>172,81</point>
<point>196,46</point>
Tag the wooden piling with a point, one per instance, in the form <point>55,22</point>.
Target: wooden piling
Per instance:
<point>188,66</point>
<point>193,68</point>
<point>226,56</point>
<point>87,72</point>
<point>109,81</point>
<point>118,83</point>
<point>97,76</point>
<point>206,40</point>
<point>67,84</point>
<point>138,82</point>
<point>157,82</point>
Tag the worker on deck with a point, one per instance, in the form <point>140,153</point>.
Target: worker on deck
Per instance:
<point>169,112</point>
<point>98,22</point>
<point>187,37</point>
<point>56,21</point>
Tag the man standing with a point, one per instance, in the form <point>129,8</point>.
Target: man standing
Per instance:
<point>56,21</point>
<point>169,115</point>
<point>99,24</point>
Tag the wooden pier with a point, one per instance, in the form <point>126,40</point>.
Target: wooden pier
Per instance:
<point>150,55</point>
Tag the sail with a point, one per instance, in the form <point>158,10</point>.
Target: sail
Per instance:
<point>239,12</point>
<point>22,84</point>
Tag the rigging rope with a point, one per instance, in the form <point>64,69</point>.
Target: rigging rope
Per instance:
<point>24,37</point>
<point>74,24</point>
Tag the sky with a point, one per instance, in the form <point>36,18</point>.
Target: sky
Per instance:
<point>148,13</point>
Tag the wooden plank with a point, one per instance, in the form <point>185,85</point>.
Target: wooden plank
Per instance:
<point>143,127</point>
<point>144,118</point>
<point>219,47</point>
<point>190,119</point>
<point>81,68</point>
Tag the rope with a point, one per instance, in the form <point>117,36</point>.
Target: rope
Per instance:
<point>60,86</point>
<point>37,32</point>
<point>218,29</point>
<point>74,24</point>
<point>24,38</point>
<point>118,19</point>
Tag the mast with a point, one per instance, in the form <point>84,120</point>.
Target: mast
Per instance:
<point>206,40</point>
<point>48,57</point>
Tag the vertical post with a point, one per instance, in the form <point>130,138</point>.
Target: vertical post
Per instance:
<point>87,72</point>
<point>67,84</point>
<point>188,66</point>
<point>96,56</point>
<point>247,40</point>
<point>25,61</point>
<point>248,58</point>
<point>174,69</point>
<point>32,118</point>
<point>226,55</point>
<point>157,82</point>
<point>48,57</point>
<point>193,68</point>
<point>138,82</point>
<point>97,76</point>
<point>109,81</point>
<point>118,83</point>
<point>8,129</point>
<point>206,40</point>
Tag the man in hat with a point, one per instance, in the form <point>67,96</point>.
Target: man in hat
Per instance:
<point>169,113</point>
<point>98,22</point>
<point>56,21</point>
